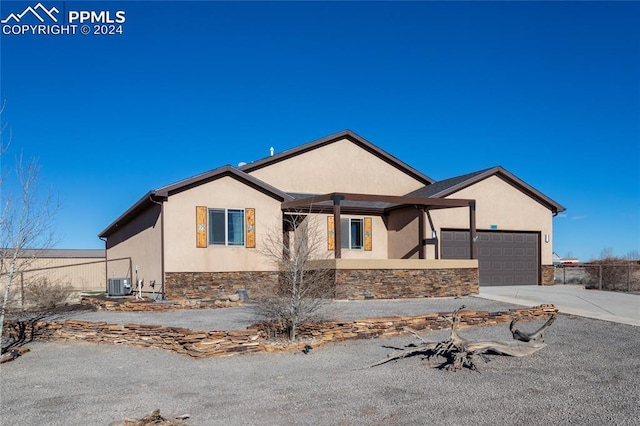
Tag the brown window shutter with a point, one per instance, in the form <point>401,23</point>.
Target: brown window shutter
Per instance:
<point>331,234</point>
<point>250,219</point>
<point>201,227</point>
<point>368,240</point>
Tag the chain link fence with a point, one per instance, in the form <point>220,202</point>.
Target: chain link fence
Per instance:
<point>610,277</point>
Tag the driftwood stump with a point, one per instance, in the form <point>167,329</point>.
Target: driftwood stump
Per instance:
<point>155,419</point>
<point>459,352</point>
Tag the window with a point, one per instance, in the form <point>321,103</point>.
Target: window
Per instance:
<point>351,233</point>
<point>226,227</point>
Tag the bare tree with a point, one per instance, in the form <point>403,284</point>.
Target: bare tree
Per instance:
<point>607,253</point>
<point>614,273</point>
<point>633,255</point>
<point>305,283</point>
<point>26,222</point>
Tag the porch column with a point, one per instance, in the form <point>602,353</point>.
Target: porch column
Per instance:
<point>336,225</point>
<point>286,240</point>
<point>473,248</point>
<point>422,248</point>
<point>434,237</point>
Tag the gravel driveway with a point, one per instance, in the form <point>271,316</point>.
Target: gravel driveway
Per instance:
<point>588,375</point>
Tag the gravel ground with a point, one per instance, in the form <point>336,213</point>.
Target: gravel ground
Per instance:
<point>242,317</point>
<point>589,374</point>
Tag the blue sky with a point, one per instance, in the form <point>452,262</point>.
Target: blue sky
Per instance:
<point>548,90</point>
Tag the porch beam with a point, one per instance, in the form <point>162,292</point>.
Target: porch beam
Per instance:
<point>392,199</point>
<point>306,202</point>
<point>422,201</point>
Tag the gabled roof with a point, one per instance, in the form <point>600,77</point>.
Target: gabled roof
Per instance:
<point>450,186</point>
<point>218,173</point>
<point>163,193</point>
<point>345,134</point>
<point>440,188</point>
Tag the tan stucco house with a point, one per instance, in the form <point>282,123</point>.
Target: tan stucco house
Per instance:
<point>389,230</point>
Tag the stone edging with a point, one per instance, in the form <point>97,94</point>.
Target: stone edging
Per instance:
<point>149,306</point>
<point>205,344</point>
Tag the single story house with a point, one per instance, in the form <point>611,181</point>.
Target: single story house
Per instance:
<point>389,230</point>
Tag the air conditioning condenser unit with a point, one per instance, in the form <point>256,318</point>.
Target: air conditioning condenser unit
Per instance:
<point>119,286</point>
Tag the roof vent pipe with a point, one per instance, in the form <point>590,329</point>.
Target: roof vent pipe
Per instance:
<point>271,151</point>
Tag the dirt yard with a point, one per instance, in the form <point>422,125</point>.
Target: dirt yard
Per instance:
<point>588,374</point>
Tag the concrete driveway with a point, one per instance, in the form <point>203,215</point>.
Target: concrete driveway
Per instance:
<point>572,299</point>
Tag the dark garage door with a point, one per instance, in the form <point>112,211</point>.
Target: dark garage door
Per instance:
<point>504,258</point>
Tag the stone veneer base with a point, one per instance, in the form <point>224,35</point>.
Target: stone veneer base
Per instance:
<point>548,275</point>
<point>351,284</point>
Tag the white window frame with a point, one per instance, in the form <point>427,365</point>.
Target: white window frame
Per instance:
<point>349,244</point>
<point>226,227</point>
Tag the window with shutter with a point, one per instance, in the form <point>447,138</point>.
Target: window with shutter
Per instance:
<point>355,233</point>
<point>226,227</point>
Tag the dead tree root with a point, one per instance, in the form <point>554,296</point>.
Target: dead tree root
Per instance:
<point>459,353</point>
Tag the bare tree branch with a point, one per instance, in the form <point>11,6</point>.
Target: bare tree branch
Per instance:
<point>26,222</point>
<point>304,284</point>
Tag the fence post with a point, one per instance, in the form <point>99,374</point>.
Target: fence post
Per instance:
<point>628,277</point>
<point>22,290</point>
<point>600,277</point>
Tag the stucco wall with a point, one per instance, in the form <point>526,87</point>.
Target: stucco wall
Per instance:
<point>181,253</point>
<point>403,234</point>
<point>379,245</point>
<point>141,240</point>
<point>499,203</point>
<point>340,166</point>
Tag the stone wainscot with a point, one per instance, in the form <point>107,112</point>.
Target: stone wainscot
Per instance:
<point>353,279</point>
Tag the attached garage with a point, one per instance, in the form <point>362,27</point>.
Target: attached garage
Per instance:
<point>504,257</point>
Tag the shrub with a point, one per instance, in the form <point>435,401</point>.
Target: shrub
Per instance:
<point>42,295</point>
